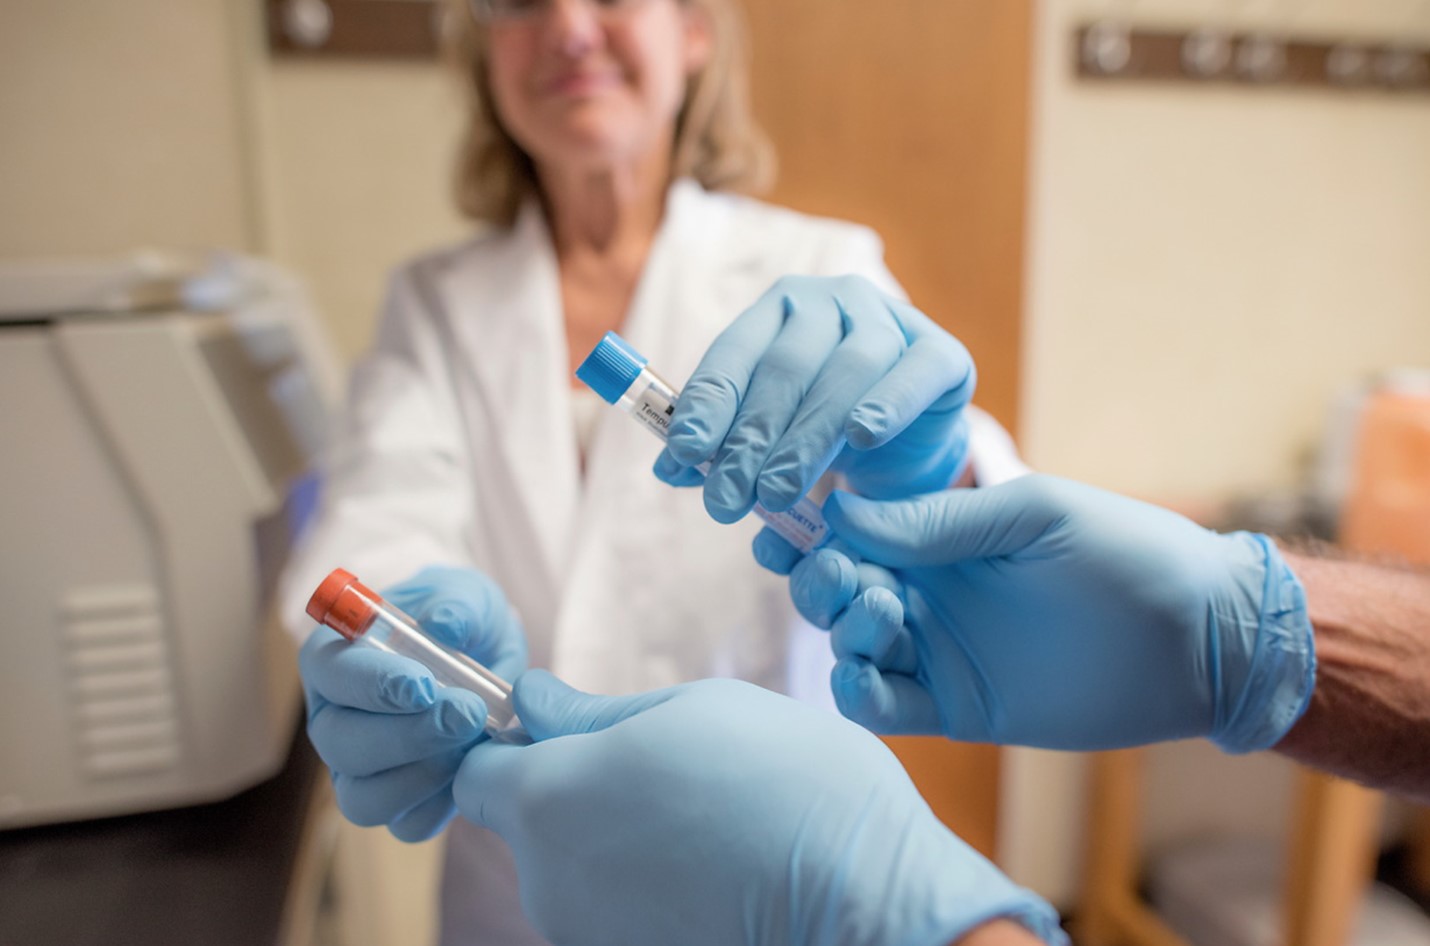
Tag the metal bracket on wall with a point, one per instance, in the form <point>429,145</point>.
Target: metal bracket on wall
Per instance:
<point>1111,51</point>
<point>371,29</point>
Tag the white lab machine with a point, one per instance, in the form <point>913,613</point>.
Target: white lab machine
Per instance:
<point>146,453</point>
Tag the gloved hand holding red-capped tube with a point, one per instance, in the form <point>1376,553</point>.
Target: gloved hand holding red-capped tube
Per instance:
<point>393,716</point>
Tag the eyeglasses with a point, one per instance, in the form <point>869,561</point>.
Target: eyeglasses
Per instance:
<point>493,11</point>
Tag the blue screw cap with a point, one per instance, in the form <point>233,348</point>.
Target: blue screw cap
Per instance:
<point>611,368</point>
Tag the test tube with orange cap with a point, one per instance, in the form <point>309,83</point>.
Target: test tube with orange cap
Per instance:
<point>362,616</point>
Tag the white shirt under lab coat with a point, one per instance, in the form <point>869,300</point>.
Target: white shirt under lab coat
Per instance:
<point>459,447</point>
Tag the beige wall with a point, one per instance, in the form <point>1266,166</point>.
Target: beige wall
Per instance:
<point>164,123</point>
<point>121,126</point>
<point>357,160</point>
<point>1207,268</point>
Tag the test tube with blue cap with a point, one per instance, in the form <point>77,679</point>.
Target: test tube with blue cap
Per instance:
<point>622,377</point>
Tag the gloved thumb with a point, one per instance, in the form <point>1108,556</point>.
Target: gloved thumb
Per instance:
<point>549,708</point>
<point>939,528</point>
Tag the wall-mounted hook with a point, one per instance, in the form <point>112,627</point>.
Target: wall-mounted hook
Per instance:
<point>1112,51</point>
<point>1206,53</point>
<point>1261,58</point>
<point>383,29</point>
<point>1349,64</point>
<point>1107,47</point>
<point>1400,67</point>
<point>308,23</point>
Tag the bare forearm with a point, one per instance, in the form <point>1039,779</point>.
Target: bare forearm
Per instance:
<point>1369,718</point>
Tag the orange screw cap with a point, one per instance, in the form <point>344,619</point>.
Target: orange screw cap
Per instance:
<point>344,604</point>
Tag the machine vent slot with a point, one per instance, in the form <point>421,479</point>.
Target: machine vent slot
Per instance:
<point>118,665</point>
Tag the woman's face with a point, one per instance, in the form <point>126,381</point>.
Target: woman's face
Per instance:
<point>588,85</point>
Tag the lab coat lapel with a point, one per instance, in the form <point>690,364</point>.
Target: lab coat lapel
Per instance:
<point>696,280</point>
<point>668,322</point>
<point>615,632</point>
<point>700,276</point>
<point>509,324</point>
<point>625,528</point>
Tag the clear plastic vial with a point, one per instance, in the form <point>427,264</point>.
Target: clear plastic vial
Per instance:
<point>363,617</point>
<point>618,373</point>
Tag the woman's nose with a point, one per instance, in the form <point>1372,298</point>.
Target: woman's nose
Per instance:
<point>573,26</point>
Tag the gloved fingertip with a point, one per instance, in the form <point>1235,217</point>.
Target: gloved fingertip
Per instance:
<point>884,622</point>
<point>449,624</point>
<point>836,569</point>
<point>425,821</point>
<point>687,443</point>
<point>723,507</point>
<point>842,509</point>
<point>462,714</point>
<point>778,490</point>
<point>832,572</point>
<point>361,812</point>
<point>409,693</point>
<point>853,674</point>
<point>852,683</point>
<point>536,696</point>
<point>538,681</point>
<point>667,468</point>
<point>823,585</point>
<point>408,833</point>
<point>867,428</point>
<point>773,553</point>
<point>882,603</point>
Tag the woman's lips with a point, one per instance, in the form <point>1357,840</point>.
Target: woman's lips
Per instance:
<point>580,83</point>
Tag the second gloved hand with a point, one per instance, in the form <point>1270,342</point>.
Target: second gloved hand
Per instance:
<point>821,373</point>
<point>1047,613</point>
<point>720,814</point>
<point>392,737</point>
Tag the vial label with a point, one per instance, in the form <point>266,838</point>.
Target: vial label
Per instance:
<point>653,409</point>
<point>802,525</point>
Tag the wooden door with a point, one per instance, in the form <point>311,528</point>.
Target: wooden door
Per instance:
<point>911,117</point>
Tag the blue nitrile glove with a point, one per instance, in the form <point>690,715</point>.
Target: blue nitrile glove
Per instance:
<point>719,813</point>
<point>392,737</point>
<point>1046,613</point>
<point>822,372</point>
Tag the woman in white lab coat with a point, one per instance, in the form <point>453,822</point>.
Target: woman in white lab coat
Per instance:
<point>604,134</point>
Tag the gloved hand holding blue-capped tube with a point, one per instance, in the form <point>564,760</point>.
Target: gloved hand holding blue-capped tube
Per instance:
<point>390,734</point>
<point>1047,613</point>
<point>720,814</point>
<point>822,373</point>
<point>623,377</point>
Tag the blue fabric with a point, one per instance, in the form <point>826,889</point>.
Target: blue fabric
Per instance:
<point>720,814</point>
<point>1047,613</point>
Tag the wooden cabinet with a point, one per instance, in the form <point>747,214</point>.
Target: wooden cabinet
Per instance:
<point>912,118</point>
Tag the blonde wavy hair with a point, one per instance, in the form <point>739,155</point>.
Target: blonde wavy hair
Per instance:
<point>717,141</point>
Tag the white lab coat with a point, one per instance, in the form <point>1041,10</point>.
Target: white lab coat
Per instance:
<point>459,447</point>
